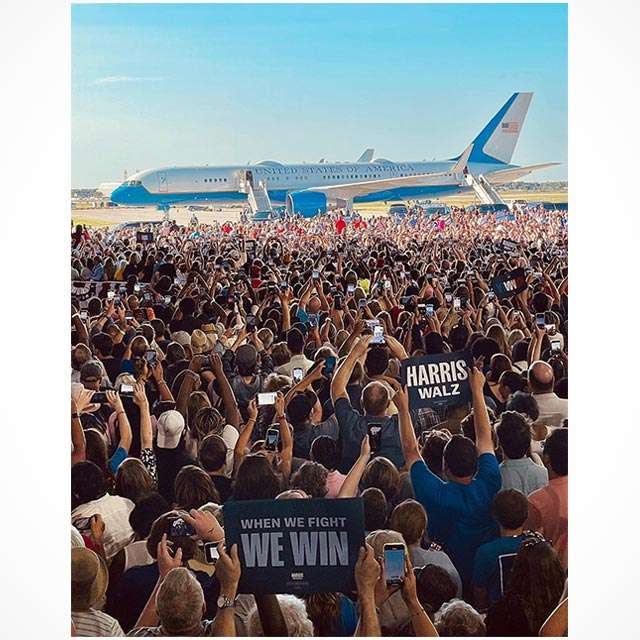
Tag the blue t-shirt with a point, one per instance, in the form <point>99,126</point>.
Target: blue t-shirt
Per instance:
<point>493,563</point>
<point>118,457</point>
<point>462,511</point>
<point>353,427</point>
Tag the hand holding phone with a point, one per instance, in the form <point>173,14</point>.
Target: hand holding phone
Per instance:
<point>394,562</point>
<point>266,399</point>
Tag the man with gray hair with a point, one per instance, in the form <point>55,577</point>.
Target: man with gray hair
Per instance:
<point>456,618</point>
<point>553,409</point>
<point>177,602</point>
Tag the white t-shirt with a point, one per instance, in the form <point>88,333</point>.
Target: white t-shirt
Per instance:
<point>115,512</point>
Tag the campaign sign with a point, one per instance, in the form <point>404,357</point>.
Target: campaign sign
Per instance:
<point>509,284</point>
<point>439,379</point>
<point>295,546</point>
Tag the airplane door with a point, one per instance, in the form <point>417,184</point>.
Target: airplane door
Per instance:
<point>163,185</point>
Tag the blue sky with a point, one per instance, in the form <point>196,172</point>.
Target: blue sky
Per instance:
<point>156,85</point>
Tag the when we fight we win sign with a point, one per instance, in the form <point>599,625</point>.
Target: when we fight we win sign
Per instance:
<point>440,379</point>
<point>295,546</point>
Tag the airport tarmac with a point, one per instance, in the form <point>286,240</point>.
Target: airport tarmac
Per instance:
<point>115,215</point>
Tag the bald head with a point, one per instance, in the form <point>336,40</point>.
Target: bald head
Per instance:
<point>540,377</point>
<point>80,354</point>
<point>375,399</point>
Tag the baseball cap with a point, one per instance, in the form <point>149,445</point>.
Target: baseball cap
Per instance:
<point>91,371</point>
<point>246,356</point>
<point>170,428</point>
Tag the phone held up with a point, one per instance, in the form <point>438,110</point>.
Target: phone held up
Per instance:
<point>394,562</point>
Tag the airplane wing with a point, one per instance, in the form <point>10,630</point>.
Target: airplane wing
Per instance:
<point>509,175</point>
<point>354,189</point>
<point>367,156</point>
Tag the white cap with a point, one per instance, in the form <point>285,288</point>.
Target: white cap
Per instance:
<point>170,428</point>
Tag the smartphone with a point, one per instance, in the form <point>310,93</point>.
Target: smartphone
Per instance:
<point>167,299</point>
<point>428,310</point>
<point>111,295</point>
<point>374,429</point>
<point>298,374</point>
<point>99,397</point>
<point>211,554</point>
<point>137,288</point>
<point>456,304</point>
<point>151,357</point>
<point>181,528</point>
<point>405,300</point>
<point>271,438</point>
<point>329,366</point>
<point>394,562</point>
<point>126,389</point>
<point>83,315</point>
<point>116,301</point>
<point>448,297</point>
<point>312,319</point>
<point>315,274</point>
<point>337,302</point>
<point>351,288</point>
<point>378,335</point>
<point>387,284</point>
<point>251,324</point>
<point>540,322</point>
<point>555,346</point>
<point>283,286</point>
<point>363,303</point>
<point>491,295</point>
<point>266,399</point>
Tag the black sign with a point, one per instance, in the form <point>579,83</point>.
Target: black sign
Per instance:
<point>440,379</point>
<point>509,284</point>
<point>295,546</point>
<point>144,236</point>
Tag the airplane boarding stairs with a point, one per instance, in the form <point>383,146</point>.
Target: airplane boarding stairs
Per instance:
<point>259,201</point>
<point>484,190</point>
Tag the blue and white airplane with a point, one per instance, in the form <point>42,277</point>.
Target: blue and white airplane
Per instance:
<point>309,189</point>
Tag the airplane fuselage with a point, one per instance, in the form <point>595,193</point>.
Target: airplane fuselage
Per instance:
<point>187,185</point>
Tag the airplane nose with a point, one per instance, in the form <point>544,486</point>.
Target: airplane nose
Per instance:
<point>119,195</point>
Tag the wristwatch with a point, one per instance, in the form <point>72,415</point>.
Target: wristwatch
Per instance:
<point>224,602</point>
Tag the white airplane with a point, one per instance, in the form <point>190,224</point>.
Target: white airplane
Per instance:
<point>309,189</point>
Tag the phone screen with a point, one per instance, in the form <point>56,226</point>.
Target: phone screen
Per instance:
<point>329,365</point>
<point>363,303</point>
<point>111,295</point>
<point>298,374</point>
<point>456,304</point>
<point>555,345</point>
<point>181,528</point>
<point>351,288</point>
<point>540,320</point>
<point>151,356</point>
<point>126,388</point>
<point>378,335</point>
<point>266,399</point>
<point>448,298</point>
<point>315,274</point>
<point>251,323</point>
<point>429,310</point>
<point>211,553</point>
<point>271,438</point>
<point>394,562</point>
<point>374,429</point>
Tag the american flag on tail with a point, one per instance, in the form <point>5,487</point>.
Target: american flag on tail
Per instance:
<point>510,127</point>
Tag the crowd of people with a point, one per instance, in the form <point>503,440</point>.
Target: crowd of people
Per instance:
<point>214,363</point>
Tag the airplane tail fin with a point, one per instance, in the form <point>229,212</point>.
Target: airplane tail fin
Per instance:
<point>497,141</point>
<point>367,156</point>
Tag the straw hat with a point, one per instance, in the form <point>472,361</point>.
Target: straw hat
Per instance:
<point>89,578</point>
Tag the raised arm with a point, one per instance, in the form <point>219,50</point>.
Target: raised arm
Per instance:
<point>349,488</point>
<point>286,455</point>
<point>140,399</point>
<point>367,574</point>
<point>344,371</point>
<point>422,625</point>
<point>410,448</point>
<point>231,411</point>
<point>228,572</point>
<point>484,443</point>
<point>245,434</point>
<point>124,427</point>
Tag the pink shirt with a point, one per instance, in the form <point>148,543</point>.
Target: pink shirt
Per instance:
<point>548,513</point>
<point>334,483</point>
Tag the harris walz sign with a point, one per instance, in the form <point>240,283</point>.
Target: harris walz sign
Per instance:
<point>295,546</point>
<point>440,379</point>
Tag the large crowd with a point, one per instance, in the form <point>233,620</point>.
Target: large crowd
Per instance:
<point>214,363</point>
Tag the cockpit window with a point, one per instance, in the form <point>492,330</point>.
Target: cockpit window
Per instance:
<point>133,183</point>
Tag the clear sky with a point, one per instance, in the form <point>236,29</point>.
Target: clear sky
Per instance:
<point>164,85</point>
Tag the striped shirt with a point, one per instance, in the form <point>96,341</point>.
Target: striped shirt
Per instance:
<point>94,623</point>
